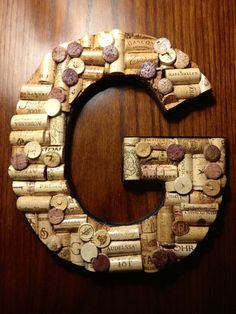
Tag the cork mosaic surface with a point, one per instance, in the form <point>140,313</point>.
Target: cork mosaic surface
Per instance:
<point>192,169</point>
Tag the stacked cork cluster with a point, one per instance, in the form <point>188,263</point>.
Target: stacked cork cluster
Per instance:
<point>193,173</point>
<point>38,141</point>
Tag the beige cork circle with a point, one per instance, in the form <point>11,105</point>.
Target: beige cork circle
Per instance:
<point>188,167</point>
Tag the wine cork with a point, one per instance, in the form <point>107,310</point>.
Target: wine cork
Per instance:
<point>89,251</point>
<point>193,145</point>
<point>33,203</point>
<point>65,238</point>
<point>164,258</point>
<point>101,238</point>
<point>165,218</point>
<point>89,267</point>
<point>51,159</point>
<point>53,242</point>
<point>199,177</point>
<point>197,197</point>
<point>21,188</point>
<point>182,59</point>
<point>86,231</point>
<point>185,167</point>
<point>143,149</point>
<point>168,57</point>
<point>183,250</point>
<point>207,207</point>
<point>130,232</point>
<point>183,76</point>
<point>130,141</point>
<point>187,91</point>
<point>132,71</point>
<point>52,187</point>
<point>33,221</point>
<point>22,137</point>
<point>35,91</point>
<point>220,143</point>
<point>58,77</point>
<point>123,248</point>
<point>56,173</point>
<point>149,225</point>
<point>32,150</point>
<point>75,90</point>
<point>149,242</point>
<point>53,107</point>
<point>93,72</point>
<point>45,228</point>
<point>170,186</point>
<point>103,39</point>
<point>59,201</point>
<point>107,68</point>
<point>139,44</point>
<point>167,172</point>
<point>160,143</point>
<point>139,36</point>
<point>31,173</point>
<point>200,217</point>
<point>92,57</point>
<point>136,59</point>
<point>131,169</point>
<point>73,207</point>
<point>204,84</point>
<point>47,69</point>
<point>179,226</point>
<point>75,247</point>
<point>195,234</point>
<point>52,149</point>
<point>30,106</point>
<point>87,41</point>
<point>71,222</point>
<point>158,156</point>
<point>126,263</point>
<point>118,65</point>
<point>59,83</point>
<point>175,199</point>
<point>29,122</point>
<point>58,130</point>
<point>148,172</point>
<point>77,64</point>
<point>15,150</point>
<point>149,245</point>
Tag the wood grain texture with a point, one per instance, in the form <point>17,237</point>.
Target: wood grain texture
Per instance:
<point>34,281</point>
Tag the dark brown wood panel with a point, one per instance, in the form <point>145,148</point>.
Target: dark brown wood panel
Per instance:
<point>32,280</point>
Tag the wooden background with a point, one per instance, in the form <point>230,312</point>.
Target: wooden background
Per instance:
<point>32,280</point>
